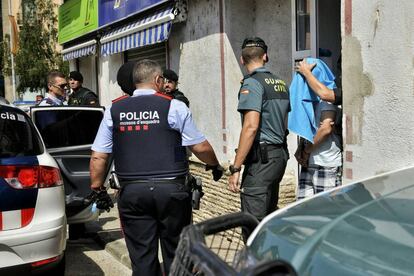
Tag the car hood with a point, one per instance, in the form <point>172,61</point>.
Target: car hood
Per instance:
<point>363,227</point>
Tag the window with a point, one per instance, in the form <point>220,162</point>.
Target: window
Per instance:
<point>303,38</point>
<point>18,137</point>
<point>68,127</point>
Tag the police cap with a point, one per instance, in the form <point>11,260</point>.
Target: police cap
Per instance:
<point>255,42</point>
<point>125,79</point>
<point>77,76</point>
<point>170,75</point>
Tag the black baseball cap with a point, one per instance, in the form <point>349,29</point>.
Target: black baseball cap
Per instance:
<point>170,75</point>
<point>125,79</point>
<point>76,76</point>
<point>255,42</point>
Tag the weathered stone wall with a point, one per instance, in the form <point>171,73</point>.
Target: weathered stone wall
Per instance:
<point>218,200</point>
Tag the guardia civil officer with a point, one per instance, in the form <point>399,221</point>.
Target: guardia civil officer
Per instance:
<point>80,95</point>
<point>264,106</point>
<point>147,134</point>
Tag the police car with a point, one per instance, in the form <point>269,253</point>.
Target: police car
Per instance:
<point>32,199</point>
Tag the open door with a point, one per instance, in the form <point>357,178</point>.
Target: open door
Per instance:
<point>68,134</point>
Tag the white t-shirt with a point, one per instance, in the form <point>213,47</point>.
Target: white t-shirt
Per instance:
<point>328,153</point>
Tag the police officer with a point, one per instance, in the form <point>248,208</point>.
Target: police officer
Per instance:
<point>147,134</point>
<point>80,95</point>
<point>170,86</point>
<point>57,86</point>
<point>264,106</point>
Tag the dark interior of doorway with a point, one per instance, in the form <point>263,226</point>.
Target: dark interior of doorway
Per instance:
<point>329,32</point>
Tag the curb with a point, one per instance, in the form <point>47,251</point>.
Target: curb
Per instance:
<point>114,246</point>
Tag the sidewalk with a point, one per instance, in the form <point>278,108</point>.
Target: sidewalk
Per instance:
<point>109,234</point>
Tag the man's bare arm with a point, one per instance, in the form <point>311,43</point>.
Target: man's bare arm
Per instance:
<point>204,151</point>
<point>97,167</point>
<point>305,69</point>
<point>251,120</point>
<point>326,127</point>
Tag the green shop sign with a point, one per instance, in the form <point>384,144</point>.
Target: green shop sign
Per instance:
<point>76,18</point>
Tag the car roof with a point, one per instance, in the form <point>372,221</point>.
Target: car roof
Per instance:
<point>4,101</point>
<point>355,225</point>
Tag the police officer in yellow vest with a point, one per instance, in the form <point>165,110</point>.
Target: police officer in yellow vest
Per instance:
<point>264,105</point>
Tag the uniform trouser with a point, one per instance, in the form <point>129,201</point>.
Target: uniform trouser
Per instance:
<point>260,183</point>
<point>152,212</point>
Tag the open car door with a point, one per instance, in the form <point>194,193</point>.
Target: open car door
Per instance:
<point>68,133</point>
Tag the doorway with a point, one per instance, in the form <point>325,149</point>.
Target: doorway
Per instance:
<point>316,30</point>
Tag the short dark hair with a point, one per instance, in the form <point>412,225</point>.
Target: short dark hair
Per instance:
<point>53,75</point>
<point>145,70</point>
<point>250,54</point>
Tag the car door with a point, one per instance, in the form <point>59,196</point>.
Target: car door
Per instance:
<point>68,133</point>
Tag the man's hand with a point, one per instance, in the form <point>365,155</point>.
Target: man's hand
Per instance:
<point>304,68</point>
<point>217,171</point>
<point>102,199</point>
<point>234,184</point>
<point>302,157</point>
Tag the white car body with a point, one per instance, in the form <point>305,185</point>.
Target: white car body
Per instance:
<point>32,237</point>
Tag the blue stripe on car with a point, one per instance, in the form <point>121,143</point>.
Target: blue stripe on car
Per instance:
<point>13,199</point>
<point>20,160</point>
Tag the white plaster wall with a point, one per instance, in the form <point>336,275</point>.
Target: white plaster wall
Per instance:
<point>108,86</point>
<point>195,56</point>
<point>378,87</point>
<point>88,70</point>
<point>72,65</point>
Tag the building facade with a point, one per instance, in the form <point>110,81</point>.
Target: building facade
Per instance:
<point>203,44</point>
<point>378,70</point>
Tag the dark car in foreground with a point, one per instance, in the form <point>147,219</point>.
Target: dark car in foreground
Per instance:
<point>364,228</point>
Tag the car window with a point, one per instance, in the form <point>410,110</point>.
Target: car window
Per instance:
<point>18,137</point>
<point>67,127</point>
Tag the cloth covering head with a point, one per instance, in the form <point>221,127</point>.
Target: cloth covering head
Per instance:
<point>76,76</point>
<point>124,77</point>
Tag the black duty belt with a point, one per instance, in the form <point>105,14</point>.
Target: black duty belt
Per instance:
<point>276,146</point>
<point>176,180</point>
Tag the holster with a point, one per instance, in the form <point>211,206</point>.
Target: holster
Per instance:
<point>254,154</point>
<point>260,152</point>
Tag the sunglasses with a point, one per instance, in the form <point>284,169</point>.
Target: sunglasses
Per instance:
<point>62,86</point>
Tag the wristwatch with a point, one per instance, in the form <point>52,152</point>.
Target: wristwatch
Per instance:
<point>233,169</point>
